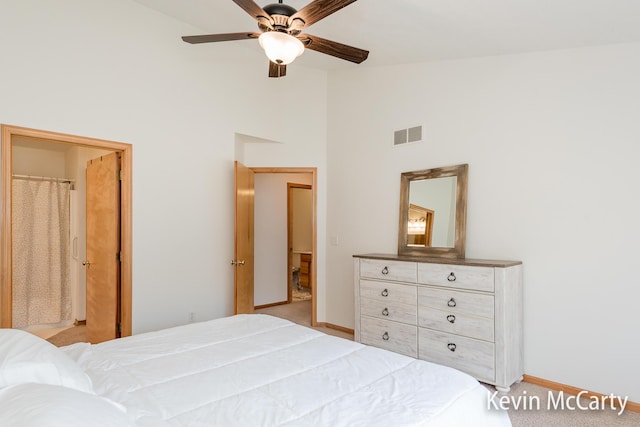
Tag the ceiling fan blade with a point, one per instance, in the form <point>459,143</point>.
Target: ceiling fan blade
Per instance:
<point>277,70</point>
<point>319,9</point>
<point>208,38</point>
<point>332,48</point>
<point>252,8</point>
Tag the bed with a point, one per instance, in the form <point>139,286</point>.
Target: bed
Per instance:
<point>244,370</point>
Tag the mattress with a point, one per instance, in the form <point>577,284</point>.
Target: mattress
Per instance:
<point>259,370</point>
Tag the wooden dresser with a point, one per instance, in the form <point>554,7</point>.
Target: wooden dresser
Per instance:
<point>462,313</point>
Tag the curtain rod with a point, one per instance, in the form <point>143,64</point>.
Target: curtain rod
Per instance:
<point>44,178</point>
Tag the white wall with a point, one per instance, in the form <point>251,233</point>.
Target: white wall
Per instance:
<point>270,239</point>
<point>552,142</point>
<point>116,70</point>
<point>38,162</point>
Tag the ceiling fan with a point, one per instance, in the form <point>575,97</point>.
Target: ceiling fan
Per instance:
<point>280,33</point>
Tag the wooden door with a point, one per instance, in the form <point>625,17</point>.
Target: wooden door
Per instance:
<point>103,248</point>
<point>243,262</point>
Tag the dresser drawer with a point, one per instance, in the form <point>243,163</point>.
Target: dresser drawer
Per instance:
<point>457,276</point>
<point>472,356</point>
<point>456,302</point>
<point>385,291</point>
<point>399,271</point>
<point>389,335</point>
<point>389,310</point>
<point>481,328</point>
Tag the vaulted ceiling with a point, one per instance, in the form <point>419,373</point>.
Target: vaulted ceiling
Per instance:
<point>405,31</point>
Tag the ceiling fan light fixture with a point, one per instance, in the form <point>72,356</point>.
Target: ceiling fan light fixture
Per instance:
<point>281,48</point>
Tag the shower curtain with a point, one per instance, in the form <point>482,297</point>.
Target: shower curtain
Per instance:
<point>41,264</point>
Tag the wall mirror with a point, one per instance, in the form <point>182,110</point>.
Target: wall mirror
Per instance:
<point>433,212</point>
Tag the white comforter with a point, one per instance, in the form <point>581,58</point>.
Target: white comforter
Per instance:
<point>257,370</point>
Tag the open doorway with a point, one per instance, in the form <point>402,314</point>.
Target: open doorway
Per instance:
<point>300,241</point>
<point>32,157</point>
<point>277,256</point>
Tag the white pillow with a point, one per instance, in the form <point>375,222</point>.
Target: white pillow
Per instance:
<point>45,405</point>
<point>26,358</point>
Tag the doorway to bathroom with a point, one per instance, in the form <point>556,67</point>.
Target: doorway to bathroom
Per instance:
<point>49,181</point>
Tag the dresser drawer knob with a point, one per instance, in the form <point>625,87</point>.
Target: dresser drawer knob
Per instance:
<point>451,303</point>
<point>385,312</point>
<point>385,292</point>
<point>451,346</point>
<point>451,277</point>
<point>385,270</point>
<point>451,318</point>
<point>385,336</point>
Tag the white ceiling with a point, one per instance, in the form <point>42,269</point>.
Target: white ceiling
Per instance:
<point>404,31</point>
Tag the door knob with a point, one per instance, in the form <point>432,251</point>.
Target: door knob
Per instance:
<point>86,263</point>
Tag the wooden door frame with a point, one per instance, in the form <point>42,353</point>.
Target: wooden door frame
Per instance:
<point>8,132</point>
<point>314,244</point>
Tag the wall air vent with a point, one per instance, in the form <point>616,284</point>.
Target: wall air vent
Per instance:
<point>400,137</point>
<point>405,136</point>
<point>415,134</point>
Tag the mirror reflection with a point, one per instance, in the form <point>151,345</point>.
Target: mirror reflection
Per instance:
<point>420,226</point>
<point>432,212</point>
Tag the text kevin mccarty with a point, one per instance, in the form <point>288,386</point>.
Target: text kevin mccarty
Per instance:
<point>583,401</point>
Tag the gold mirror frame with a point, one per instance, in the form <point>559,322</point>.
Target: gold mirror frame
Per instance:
<point>458,250</point>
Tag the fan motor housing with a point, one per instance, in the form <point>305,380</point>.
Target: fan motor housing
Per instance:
<point>279,9</point>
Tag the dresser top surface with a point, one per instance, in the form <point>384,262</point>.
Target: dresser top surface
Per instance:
<point>456,261</point>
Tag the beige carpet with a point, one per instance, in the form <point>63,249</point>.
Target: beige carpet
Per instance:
<point>69,336</point>
<point>532,417</point>
<point>300,312</point>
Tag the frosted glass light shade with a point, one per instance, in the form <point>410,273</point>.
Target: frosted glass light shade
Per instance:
<point>280,48</point>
